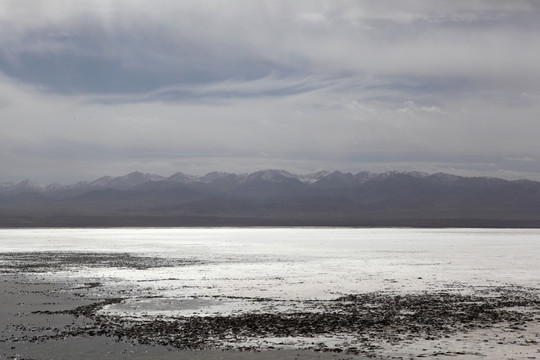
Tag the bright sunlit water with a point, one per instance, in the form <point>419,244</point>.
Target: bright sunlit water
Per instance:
<point>300,263</point>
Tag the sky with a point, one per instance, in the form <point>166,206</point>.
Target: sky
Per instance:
<point>98,87</point>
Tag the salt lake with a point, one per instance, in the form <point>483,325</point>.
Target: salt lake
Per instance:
<point>397,292</point>
<point>300,263</point>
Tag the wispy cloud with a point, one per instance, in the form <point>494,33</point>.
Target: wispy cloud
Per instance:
<point>134,85</point>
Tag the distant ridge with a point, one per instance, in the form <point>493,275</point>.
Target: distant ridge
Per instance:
<point>275,198</point>
<point>322,178</point>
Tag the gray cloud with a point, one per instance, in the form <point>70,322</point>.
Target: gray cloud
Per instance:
<point>95,87</point>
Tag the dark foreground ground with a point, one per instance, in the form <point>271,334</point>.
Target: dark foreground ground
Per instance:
<point>41,320</point>
<point>36,219</point>
<point>45,319</point>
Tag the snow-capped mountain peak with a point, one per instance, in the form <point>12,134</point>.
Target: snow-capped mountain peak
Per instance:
<point>101,182</point>
<point>28,185</point>
<point>311,178</point>
<point>182,178</point>
<point>270,175</point>
<point>215,175</point>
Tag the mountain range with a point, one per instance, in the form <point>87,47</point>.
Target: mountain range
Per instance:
<point>275,198</point>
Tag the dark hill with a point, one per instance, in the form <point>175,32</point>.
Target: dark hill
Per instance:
<point>276,198</point>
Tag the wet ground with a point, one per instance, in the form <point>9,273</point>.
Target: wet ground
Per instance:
<point>46,317</point>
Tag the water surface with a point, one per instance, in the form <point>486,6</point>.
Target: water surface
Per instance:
<point>299,263</point>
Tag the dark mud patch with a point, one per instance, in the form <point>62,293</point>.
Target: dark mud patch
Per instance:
<point>365,320</point>
<point>35,262</point>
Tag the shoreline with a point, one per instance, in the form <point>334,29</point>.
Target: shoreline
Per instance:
<point>285,226</point>
<point>29,220</point>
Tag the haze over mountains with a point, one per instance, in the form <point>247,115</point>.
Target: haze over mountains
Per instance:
<point>275,198</point>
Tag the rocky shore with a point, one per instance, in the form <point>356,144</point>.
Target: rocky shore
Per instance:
<point>84,319</point>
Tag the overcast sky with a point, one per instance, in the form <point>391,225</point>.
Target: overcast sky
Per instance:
<point>100,87</point>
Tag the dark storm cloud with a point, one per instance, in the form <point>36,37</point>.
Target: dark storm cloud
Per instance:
<point>94,87</point>
<point>141,60</point>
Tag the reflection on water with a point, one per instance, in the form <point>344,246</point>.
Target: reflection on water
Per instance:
<point>295,263</point>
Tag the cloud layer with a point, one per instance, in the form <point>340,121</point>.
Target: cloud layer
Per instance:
<point>97,87</point>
